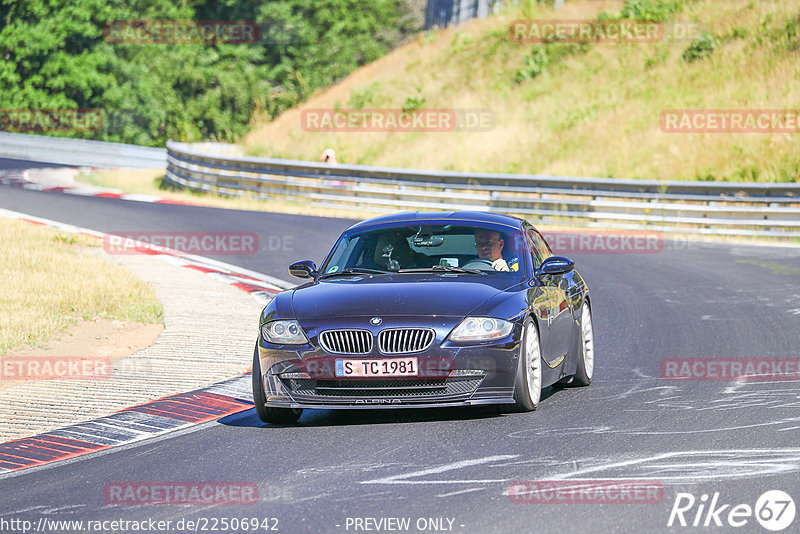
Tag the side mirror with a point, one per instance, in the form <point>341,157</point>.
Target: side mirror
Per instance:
<point>303,269</point>
<point>556,265</point>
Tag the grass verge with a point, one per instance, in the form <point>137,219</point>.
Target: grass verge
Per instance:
<point>51,279</point>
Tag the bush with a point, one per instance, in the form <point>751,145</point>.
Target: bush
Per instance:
<point>788,37</point>
<point>551,53</point>
<point>414,103</point>
<point>533,64</point>
<point>702,47</point>
<point>368,96</point>
<point>650,10</point>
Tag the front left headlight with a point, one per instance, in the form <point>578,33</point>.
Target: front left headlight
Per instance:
<point>481,329</point>
<point>283,333</point>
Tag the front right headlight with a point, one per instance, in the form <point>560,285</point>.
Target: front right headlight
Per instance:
<point>481,329</point>
<point>283,333</point>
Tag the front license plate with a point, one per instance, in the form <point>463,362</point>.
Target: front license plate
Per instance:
<point>392,367</point>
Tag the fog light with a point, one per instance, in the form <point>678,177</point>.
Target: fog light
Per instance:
<point>295,375</point>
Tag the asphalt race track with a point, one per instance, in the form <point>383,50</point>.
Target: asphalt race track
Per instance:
<point>450,470</point>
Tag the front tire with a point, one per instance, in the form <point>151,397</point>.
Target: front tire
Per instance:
<point>585,368</point>
<point>528,384</point>
<point>264,412</point>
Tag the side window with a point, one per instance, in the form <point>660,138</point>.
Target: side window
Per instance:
<point>536,255</point>
<point>543,247</point>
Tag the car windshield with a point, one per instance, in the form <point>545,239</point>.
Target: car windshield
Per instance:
<point>457,248</point>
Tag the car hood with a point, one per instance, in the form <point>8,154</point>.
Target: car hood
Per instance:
<point>387,295</point>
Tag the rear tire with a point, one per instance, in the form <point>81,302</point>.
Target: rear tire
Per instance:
<point>528,384</point>
<point>264,412</point>
<point>585,368</point>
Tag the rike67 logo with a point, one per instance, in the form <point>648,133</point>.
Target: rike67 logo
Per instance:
<point>774,510</point>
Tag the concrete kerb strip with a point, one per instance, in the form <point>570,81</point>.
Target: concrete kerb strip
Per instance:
<point>200,344</point>
<point>136,423</point>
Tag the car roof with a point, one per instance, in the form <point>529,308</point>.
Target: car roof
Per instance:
<point>446,217</point>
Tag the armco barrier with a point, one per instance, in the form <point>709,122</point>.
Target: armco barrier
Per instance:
<point>80,152</point>
<point>723,208</point>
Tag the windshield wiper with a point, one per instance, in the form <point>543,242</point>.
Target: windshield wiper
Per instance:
<point>443,268</point>
<point>354,270</point>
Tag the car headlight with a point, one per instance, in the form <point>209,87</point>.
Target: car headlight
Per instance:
<point>283,333</point>
<point>481,329</point>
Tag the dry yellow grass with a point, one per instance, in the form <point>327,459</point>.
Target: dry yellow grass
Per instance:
<point>140,181</point>
<point>51,279</point>
<point>593,114</point>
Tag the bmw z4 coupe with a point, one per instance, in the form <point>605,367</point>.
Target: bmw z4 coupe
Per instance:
<point>424,310</point>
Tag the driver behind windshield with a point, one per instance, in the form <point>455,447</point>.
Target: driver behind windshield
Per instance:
<point>489,244</point>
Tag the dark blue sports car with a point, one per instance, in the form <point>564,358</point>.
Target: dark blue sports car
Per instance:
<point>425,310</point>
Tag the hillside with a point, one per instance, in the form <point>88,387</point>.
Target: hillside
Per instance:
<point>576,109</point>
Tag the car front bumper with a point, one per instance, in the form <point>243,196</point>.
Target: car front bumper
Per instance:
<point>450,375</point>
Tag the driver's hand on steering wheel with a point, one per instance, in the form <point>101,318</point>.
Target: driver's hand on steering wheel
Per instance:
<point>500,265</point>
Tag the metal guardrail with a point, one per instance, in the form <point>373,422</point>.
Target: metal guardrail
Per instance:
<point>722,208</point>
<point>80,152</point>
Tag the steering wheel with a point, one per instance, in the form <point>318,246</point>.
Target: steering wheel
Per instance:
<point>479,263</point>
